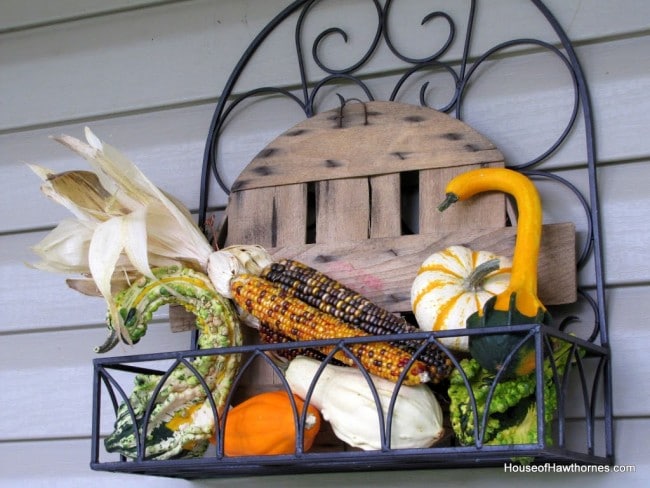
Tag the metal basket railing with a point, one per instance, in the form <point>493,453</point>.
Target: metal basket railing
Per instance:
<point>584,374</point>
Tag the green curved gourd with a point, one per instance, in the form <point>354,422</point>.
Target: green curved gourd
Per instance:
<point>181,423</point>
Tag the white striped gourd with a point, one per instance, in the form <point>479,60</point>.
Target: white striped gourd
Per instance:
<point>454,283</point>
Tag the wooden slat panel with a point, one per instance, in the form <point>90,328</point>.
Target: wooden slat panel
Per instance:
<point>342,209</point>
<point>385,211</point>
<point>268,216</point>
<point>397,137</point>
<point>483,211</point>
<point>383,269</point>
<point>180,320</point>
<point>342,212</point>
<point>625,205</point>
<point>290,214</point>
<point>249,217</point>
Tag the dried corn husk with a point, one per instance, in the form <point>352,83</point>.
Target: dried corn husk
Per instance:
<point>124,226</point>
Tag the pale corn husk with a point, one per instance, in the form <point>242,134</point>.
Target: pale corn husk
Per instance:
<point>81,192</point>
<point>124,226</point>
<point>252,257</point>
<point>231,261</point>
<point>65,249</point>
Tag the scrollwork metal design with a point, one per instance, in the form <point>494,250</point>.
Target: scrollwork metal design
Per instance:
<point>427,18</point>
<point>465,81</point>
<point>460,72</point>
<point>337,30</point>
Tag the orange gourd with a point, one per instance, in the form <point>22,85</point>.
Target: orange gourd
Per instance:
<point>265,425</point>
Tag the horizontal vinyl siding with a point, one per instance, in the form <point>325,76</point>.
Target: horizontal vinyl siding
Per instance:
<point>146,75</point>
<point>181,53</point>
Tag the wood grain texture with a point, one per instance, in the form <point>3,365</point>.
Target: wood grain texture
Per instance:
<point>383,269</point>
<point>486,210</point>
<point>354,157</point>
<point>625,206</point>
<point>396,137</point>
<point>268,217</point>
<point>385,208</point>
<point>342,209</point>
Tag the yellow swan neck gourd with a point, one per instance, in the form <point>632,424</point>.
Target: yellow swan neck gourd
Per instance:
<point>523,279</point>
<point>518,303</point>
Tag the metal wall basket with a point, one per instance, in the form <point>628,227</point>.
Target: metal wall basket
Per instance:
<point>582,427</point>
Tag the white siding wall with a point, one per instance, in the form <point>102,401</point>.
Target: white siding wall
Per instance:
<point>145,76</point>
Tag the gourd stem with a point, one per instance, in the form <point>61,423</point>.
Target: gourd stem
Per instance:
<point>110,342</point>
<point>478,274</point>
<point>450,199</point>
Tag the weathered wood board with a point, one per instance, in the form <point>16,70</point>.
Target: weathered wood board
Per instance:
<point>365,140</point>
<point>328,192</point>
<point>383,269</point>
<point>351,161</point>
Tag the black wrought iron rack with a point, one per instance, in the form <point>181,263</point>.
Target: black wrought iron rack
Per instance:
<point>589,377</point>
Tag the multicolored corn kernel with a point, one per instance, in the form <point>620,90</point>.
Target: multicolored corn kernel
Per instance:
<point>278,310</point>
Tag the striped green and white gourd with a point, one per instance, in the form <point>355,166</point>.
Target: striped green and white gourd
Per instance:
<point>181,423</point>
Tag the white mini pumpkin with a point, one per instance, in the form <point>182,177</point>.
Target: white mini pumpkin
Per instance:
<point>454,283</point>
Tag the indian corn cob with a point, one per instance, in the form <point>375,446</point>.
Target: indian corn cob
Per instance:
<point>181,422</point>
<point>277,309</point>
<point>272,336</point>
<point>332,297</point>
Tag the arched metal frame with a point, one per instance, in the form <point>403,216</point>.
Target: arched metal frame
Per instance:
<point>305,96</point>
<point>462,74</point>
